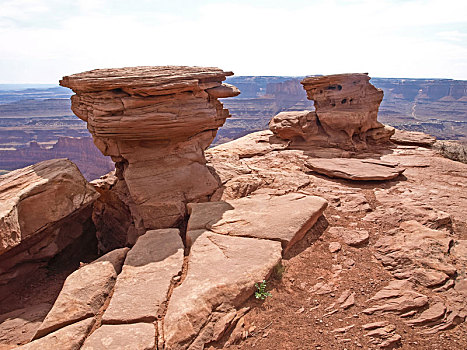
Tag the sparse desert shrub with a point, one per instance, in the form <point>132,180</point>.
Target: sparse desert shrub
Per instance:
<point>452,150</point>
<point>261,292</point>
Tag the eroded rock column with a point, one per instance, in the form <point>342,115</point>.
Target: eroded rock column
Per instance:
<point>345,116</point>
<point>155,123</point>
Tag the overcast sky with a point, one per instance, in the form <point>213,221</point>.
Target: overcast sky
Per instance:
<point>42,40</point>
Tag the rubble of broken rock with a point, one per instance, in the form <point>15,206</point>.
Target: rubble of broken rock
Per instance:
<point>368,253</point>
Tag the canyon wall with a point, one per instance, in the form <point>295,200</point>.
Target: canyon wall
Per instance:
<point>80,151</point>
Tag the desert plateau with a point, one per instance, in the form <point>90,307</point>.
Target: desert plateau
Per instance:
<point>329,230</point>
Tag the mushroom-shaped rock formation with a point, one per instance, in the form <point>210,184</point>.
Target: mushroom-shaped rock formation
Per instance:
<point>155,123</point>
<point>346,109</point>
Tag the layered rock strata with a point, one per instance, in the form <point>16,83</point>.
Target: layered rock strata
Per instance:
<point>355,169</point>
<point>155,123</point>
<point>346,108</point>
<point>43,209</point>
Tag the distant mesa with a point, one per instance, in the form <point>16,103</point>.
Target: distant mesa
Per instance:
<point>80,150</point>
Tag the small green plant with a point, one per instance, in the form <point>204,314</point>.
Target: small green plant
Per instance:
<point>261,292</point>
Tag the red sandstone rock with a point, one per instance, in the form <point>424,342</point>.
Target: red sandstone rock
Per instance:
<point>43,209</point>
<point>418,253</point>
<point>144,282</point>
<point>220,278</point>
<point>155,123</point>
<point>412,138</point>
<point>111,214</point>
<point>140,336</point>
<point>355,169</point>
<point>346,108</point>
<point>67,338</point>
<point>281,218</point>
<point>346,105</point>
<point>84,292</point>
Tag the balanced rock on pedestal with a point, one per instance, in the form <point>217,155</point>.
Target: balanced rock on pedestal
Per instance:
<point>155,123</point>
<point>345,116</point>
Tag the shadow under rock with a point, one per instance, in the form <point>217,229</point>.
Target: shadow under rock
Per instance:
<point>310,237</point>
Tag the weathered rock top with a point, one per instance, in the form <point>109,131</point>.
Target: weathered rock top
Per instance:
<point>148,80</point>
<point>33,197</point>
<point>155,123</point>
<point>343,92</point>
<point>345,116</point>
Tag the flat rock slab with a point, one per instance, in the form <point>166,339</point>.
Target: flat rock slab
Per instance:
<point>355,169</point>
<point>138,336</point>
<point>222,271</point>
<point>67,338</point>
<point>284,218</point>
<point>84,292</point>
<point>19,326</point>
<point>412,138</point>
<point>144,282</point>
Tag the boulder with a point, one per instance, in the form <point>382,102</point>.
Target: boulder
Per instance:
<point>221,274</point>
<point>284,218</point>
<point>155,123</point>
<point>295,125</point>
<point>412,138</point>
<point>43,208</point>
<point>355,169</point>
<point>354,238</point>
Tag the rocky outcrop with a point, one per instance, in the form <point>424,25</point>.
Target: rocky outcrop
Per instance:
<point>43,209</point>
<point>220,278</point>
<point>346,108</point>
<point>67,338</point>
<point>140,336</point>
<point>155,123</point>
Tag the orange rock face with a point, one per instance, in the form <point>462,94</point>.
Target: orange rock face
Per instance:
<point>346,109</point>
<point>155,123</point>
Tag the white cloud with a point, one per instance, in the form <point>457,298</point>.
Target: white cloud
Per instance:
<point>452,35</point>
<point>385,38</point>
